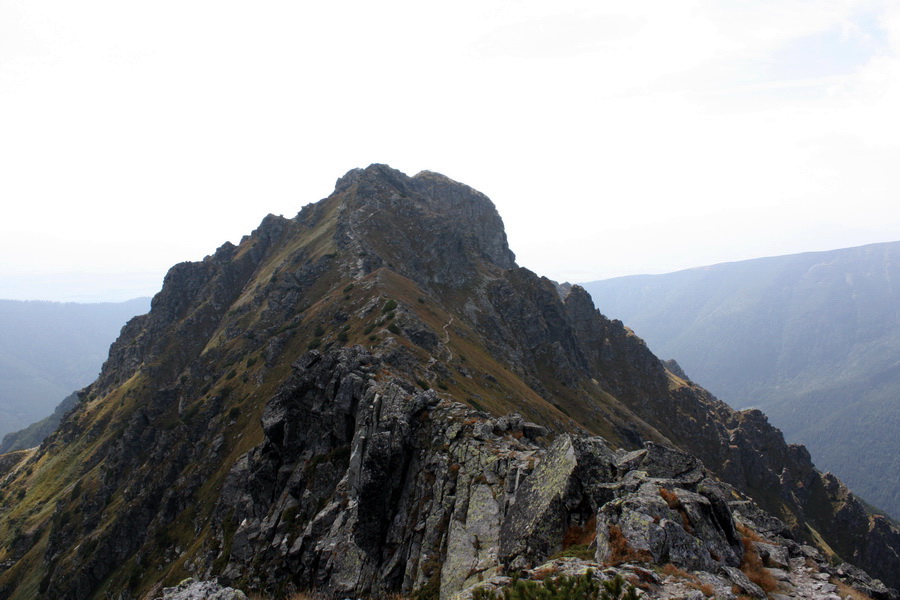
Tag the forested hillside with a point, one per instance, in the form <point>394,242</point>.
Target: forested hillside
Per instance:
<point>812,339</point>
<point>50,349</point>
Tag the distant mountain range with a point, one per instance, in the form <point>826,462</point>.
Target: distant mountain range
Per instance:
<point>50,349</point>
<point>812,339</point>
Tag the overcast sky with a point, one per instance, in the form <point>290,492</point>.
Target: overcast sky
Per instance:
<point>614,137</point>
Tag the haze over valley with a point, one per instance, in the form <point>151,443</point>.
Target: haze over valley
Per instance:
<point>812,339</point>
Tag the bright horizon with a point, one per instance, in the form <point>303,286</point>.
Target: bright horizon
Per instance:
<point>614,139</point>
<point>132,286</point>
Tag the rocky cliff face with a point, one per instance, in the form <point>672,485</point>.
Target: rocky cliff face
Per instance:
<point>373,398</point>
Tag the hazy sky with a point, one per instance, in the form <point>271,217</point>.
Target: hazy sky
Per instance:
<point>614,137</point>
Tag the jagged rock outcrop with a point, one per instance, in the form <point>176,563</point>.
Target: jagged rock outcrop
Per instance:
<point>667,511</point>
<point>393,489</point>
<point>201,590</point>
<point>381,487</point>
<point>372,398</point>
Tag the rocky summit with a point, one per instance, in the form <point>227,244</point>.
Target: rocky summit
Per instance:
<point>372,398</point>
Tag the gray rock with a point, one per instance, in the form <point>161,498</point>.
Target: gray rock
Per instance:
<point>664,525</point>
<point>665,462</point>
<point>745,585</point>
<point>533,528</point>
<point>861,580</point>
<point>773,555</point>
<point>534,431</point>
<point>189,589</point>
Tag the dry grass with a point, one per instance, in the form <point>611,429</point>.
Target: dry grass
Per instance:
<point>583,535</point>
<point>670,497</point>
<point>748,533</point>
<point>638,582</point>
<point>846,591</point>
<point>543,573</point>
<point>752,567</point>
<point>621,550</point>
<point>672,501</point>
<point>673,571</point>
<point>705,588</point>
<point>692,580</point>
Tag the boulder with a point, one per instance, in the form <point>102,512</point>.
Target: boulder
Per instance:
<point>190,589</point>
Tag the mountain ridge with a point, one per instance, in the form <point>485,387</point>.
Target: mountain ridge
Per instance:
<point>342,332</point>
<point>812,339</point>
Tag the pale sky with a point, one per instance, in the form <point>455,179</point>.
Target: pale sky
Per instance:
<point>614,137</point>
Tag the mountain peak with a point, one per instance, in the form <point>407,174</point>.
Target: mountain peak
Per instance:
<point>371,398</point>
<point>372,173</point>
<point>430,228</point>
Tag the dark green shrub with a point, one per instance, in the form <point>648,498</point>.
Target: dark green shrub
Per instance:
<point>583,587</point>
<point>318,331</point>
<point>617,589</point>
<point>394,329</point>
<point>389,306</point>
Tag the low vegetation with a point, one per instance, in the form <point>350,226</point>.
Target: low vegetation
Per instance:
<point>751,564</point>
<point>563,587</point>
<point>621,550</point>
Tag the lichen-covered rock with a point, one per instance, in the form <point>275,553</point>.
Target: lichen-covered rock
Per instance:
<point>674,516</point>
<point>535,524</point>
<point>391,489</point>
<point>399,490</point>
<point>190,589</point>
